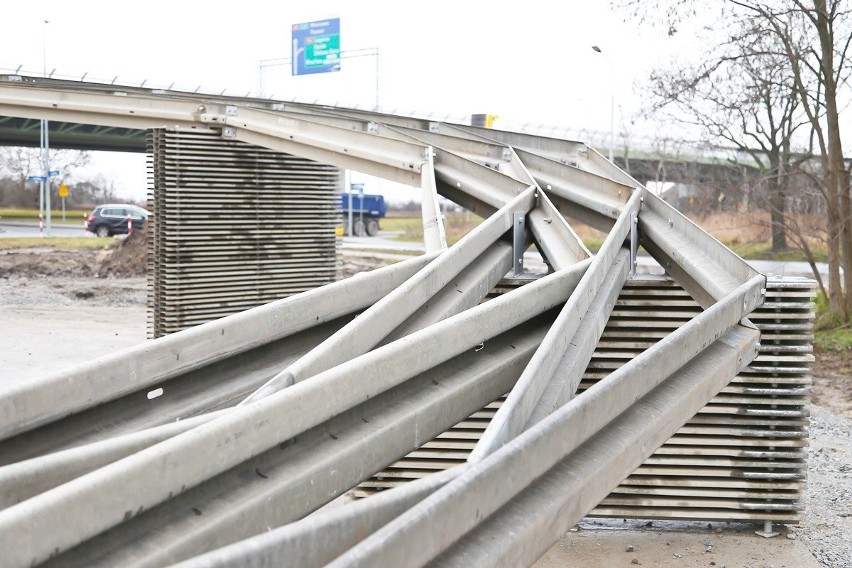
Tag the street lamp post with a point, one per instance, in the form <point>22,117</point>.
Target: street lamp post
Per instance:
<point>611,103</point>
<point>45,185</point>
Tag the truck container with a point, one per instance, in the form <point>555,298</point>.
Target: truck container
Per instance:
<point>367,209</point>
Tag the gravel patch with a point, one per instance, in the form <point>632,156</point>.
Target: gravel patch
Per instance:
<point>827,525</point>
<point>25,291</point>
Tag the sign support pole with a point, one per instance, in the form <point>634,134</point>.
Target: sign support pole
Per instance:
<point>46,183</point>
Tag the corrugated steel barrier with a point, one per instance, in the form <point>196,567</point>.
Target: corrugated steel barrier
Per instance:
<point>741,458</point>
<point>234,226</point>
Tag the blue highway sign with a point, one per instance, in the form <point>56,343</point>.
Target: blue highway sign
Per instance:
<point>316,47</point>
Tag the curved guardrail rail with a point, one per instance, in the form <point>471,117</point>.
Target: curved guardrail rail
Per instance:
<point>339,382</point>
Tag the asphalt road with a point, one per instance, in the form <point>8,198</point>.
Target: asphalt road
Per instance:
<point>385,242</point>
<point>31,230</point>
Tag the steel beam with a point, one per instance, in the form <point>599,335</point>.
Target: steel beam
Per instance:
<point>27,405</point>
<point>526,528</point>
<point>515,412</point>
<point>322,537</point>
<point>465,291</point>
<point>476,180</point>
<point>24,479</point>
<point>491,483</point>
<point>475,204</point>
<point>117,492</point>
<point>553,235</point>
<point>706,268</point>
<point>407,176</point>
<point>404,155</point>
<point>569,371</point>
<point>434,235</point>
<point>109,109</point>
<point>377,365</point>
<point>434,134</point>
<point>568,152</point>
<point>370,327</point>
<point>186,395</point>
<point>286,483</point>
<point>593,199</point>
<point>560,245</point>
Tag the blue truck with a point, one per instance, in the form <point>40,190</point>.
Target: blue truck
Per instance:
<point>367,209</point>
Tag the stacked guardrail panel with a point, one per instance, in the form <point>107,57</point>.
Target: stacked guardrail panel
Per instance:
<point>741,458</point>
<point>235,226</point>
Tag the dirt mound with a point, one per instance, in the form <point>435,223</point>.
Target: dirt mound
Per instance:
<point>129,257</point>
<point>832,381</point>
<point>351,265</point>
<point>122,258</point>
<point>51,262</point>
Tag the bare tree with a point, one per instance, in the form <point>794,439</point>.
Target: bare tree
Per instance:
<point>18,163</point>
<point>809,41</point>
<point>740,94</point>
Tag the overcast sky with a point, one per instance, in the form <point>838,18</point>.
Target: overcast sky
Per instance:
<point>529,62</point>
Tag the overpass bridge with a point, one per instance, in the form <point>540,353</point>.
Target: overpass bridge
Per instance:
<point>213,446</point>
<point>644,158</point>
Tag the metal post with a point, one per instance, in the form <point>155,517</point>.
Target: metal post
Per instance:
<point>518,241</point>
<point>612,119</point>
<point>44,48</point>
<point>348,189</point>
<point>634,242</point>
<point>293,62</point>
<point>47,175</point>
<point>361,205</point>
<point>41,186</point>
<point>434,235</point>
<point>767,531</point>
<point>611,103</point>
<point>45,185</point>
<point>376,107</point>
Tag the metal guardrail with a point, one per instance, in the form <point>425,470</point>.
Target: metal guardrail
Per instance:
<point>741,458</point>
<point>148,457</point>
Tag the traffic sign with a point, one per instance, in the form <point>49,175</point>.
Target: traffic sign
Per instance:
<point>36,178</point>
<point>63,190</point>
<point>316,47</point>
<point>53,173</point>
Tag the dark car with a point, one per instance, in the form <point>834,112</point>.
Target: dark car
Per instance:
<point>111,219</point>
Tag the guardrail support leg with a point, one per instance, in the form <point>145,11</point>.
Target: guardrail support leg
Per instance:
<point>634,243</point>
<point>518,242</point>
<point>767,531</point>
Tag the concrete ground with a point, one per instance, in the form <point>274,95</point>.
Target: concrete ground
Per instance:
<point>682,547</point>
<point>37,341</point>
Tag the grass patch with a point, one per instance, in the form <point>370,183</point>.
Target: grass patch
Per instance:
<point>32,214</point>
<point>830,334</point>
<point>593,244</point>
<point>410,228</point>
<point>73,243</point>
<point>838,340</point>
<point>456,225</point>
<point>368,251</point>
<point>404,225</point>
<point>763,251</point>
